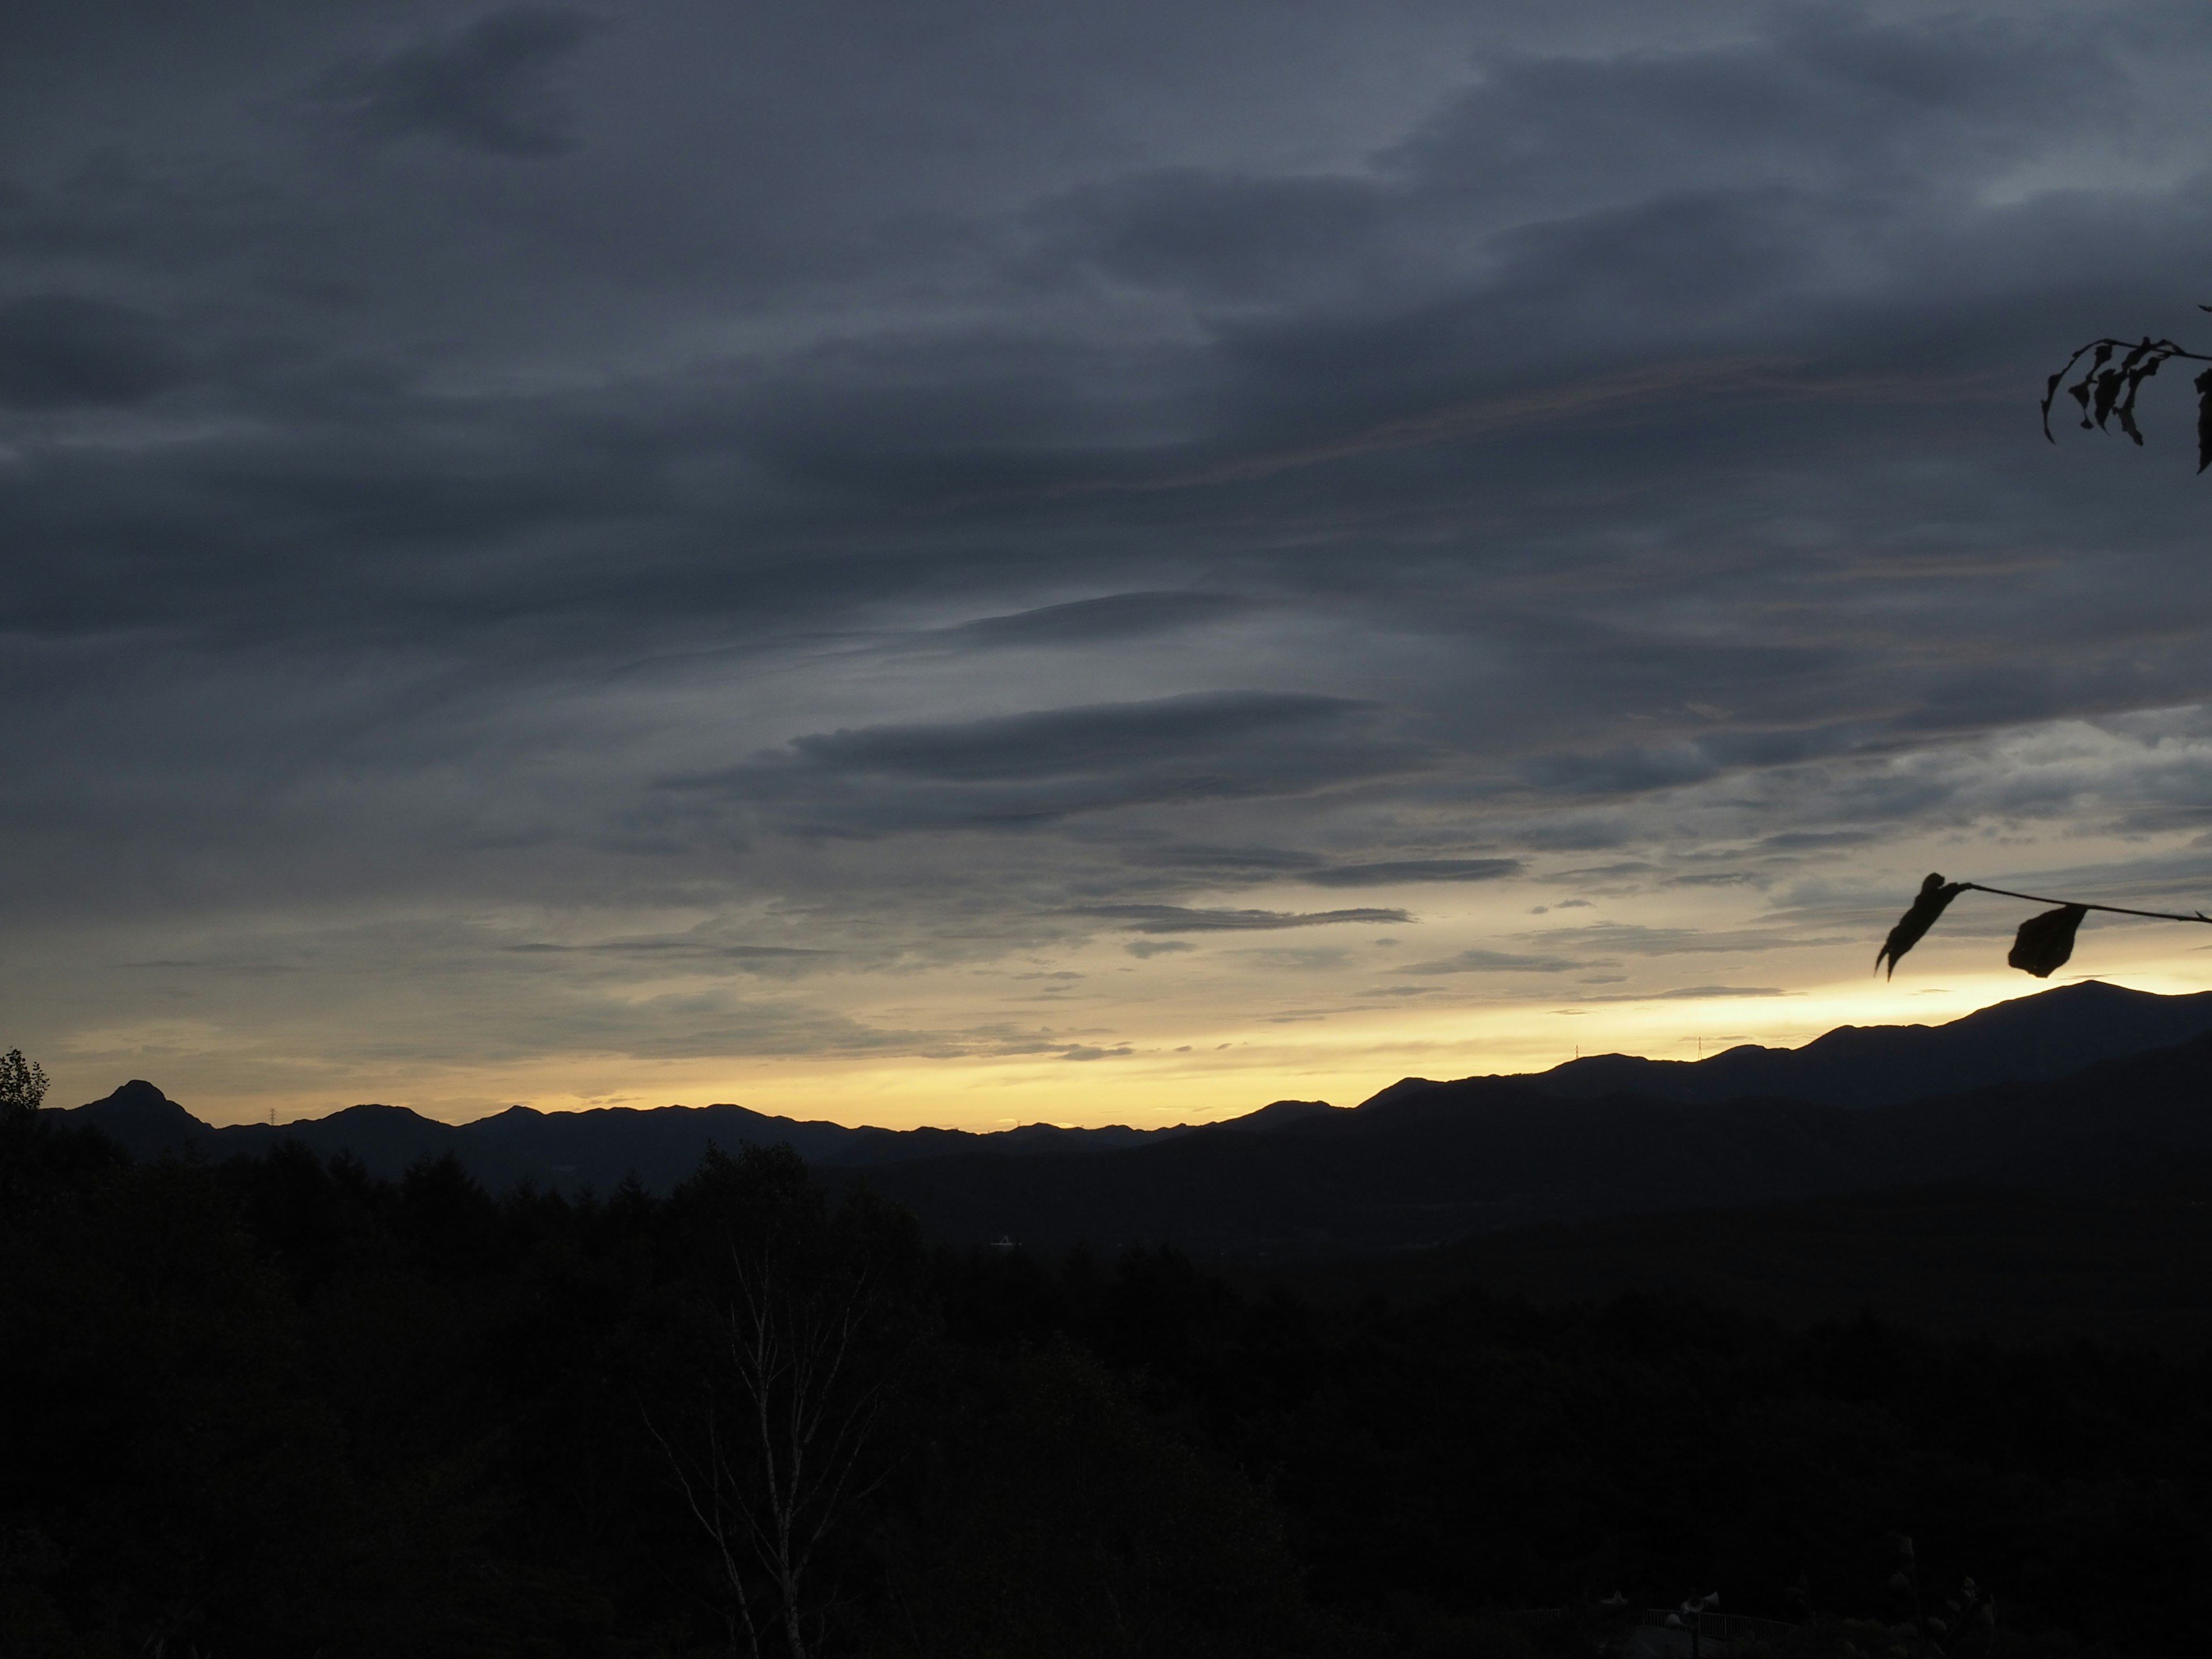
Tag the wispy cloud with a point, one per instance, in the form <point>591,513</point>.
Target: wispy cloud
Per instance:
<point>1174,919</point>
<point>1413,870</point>
<point>1493,962</point>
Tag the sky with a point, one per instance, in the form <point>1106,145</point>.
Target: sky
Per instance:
<point>978,564</point>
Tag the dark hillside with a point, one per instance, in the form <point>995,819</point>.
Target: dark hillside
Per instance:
<point>2040,1037</point>
<point>2050,1033</point>
<point>597,1149</point>
<point>2017,1264</point>
<point>277,1406</point>
<point>1422,1165</point>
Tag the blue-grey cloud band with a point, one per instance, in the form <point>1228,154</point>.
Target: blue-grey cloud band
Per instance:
<point>799,493</point>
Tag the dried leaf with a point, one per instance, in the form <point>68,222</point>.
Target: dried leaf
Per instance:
<point>2127,409</point>
<point>2082,389</point>
<point>2137,353</point>
<point>1935,895</point>
<point>2108,392</point>
<point>2044,942</point>
<point>2205,419</point>
<point>2050,394</point>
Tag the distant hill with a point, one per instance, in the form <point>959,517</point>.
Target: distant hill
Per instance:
<point>2002,1095</point>
<point>2121,1264</point>
<point>1423,1165</point>
<point>2047,1035</point>
<point>601,1147</point>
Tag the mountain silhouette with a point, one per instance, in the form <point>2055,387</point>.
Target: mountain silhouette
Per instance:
<point>1424,1165</point>
<point>2047,1035</point>
<point>2063,1086</point>
<point>142,1119</point>
<point>598,1148</point>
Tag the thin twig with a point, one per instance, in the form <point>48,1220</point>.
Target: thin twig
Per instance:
<point>2112,910</point>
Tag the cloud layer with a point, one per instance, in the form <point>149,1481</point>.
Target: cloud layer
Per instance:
<point>702,527</point>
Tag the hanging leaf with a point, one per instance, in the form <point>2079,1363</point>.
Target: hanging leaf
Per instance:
<point>2044,942</point>
<point>2050,394</point>
<point>2205,419</point>
<point>2106,389</point>
<point>1935,895</point>
<point>2082,389</point>
<point>2127,409</point>
<point>2108,392</point>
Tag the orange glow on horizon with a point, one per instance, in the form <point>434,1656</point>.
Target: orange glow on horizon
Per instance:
<point>1211,1075</point>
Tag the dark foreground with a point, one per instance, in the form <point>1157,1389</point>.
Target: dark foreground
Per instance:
<point>278,1407</point>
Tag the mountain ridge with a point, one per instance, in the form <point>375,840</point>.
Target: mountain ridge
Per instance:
<point>2045,1034</point>
<point>1245,1183</point>
<point>1456,1160</point>
<point>599,1146</point>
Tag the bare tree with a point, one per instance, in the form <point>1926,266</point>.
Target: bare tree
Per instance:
<point>799,1344</point>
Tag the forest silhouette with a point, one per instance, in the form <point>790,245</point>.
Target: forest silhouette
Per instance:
<point>276,1405</point>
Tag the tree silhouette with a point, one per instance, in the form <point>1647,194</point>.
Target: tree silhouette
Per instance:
<point>23,1084</point>
<point>800,1341</point>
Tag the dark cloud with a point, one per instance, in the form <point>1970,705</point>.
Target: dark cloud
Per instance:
<point>483,88</point>
<point>1839,99</point>
<point>1174,919</point>
<point>1813,840</point>
<point>1067,741</point>
<point>1245,863</point>
<point>1628,770</point>
<point>1575,432</point>
<point>1223,237</point>
<point>65,351</point>
<point>1636,940</point>
<point>1377,875</point>
<point>1087,622</point>
<point>1494,961</point>
<point>1021,769</point>
<point>1695,994</point>
<point>777,956</point>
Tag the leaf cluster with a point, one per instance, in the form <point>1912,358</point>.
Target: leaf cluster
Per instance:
<point>2107,390</point>
<point>2043,944</point>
